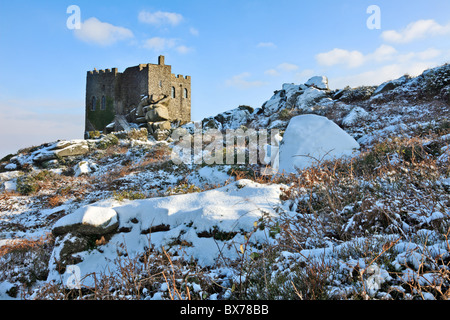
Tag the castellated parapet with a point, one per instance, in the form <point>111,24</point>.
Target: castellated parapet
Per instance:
<point>110,93</point>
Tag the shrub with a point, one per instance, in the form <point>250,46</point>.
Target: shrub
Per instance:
<point>26,261</point>
<point>94,134</point>
<point>128,194</point>
<point>108,141</point>
<point>27,185</point>
<point>31,183</point>
<point>284,114</point>
<point>138,134</point>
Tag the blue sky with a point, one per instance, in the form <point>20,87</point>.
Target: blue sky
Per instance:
<point>237,52</point>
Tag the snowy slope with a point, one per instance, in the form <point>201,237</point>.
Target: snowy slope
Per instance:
<point>121,199</point>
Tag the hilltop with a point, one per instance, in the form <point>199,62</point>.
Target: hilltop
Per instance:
<point>369,220</point>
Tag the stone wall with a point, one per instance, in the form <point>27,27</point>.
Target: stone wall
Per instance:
<point>180,107</point>
<point>99,84</point>
<point>124,91</point>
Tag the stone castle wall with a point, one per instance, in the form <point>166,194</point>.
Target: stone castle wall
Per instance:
<point>110,93</point>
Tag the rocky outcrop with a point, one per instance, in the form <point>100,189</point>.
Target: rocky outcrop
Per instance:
<point>319,82</point>
<point>88,221</point>
<point>61,149</point>
<point>310,139</point>
<point>81,231</point>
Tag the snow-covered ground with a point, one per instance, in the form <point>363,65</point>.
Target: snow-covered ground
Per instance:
<point>116,214</point>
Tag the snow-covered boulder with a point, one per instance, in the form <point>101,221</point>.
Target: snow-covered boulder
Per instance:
<point>216,175</point>
<point>10,186</point>
<point>89,220</point>
<point>291,89</point>
<point>310,97</point>
<point>320,82</point>
<point>60,149</point>
<point>309,138</point>
<point>11,166</point>
<point>212,225</point>
<point>390,85</point>
<point>71,148</point>
<point>277,101</point>
<point>231,119</point>
<point>84,168</point>
<point>355,115</point>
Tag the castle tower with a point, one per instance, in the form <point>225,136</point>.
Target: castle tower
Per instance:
<point>110,93</point>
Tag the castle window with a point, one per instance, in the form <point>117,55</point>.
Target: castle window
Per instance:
<point>160,83</point>
<point>103,106</point>
<point>185,93</point>
<point>93,104</point>
<point>173,92</point>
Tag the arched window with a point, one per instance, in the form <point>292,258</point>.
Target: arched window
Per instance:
<point>185,93</point>
<point>103,106</point>
<point>173,92</point>
<point>93,102</point>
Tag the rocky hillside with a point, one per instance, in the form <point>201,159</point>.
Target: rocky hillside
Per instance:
<point>113,217</point>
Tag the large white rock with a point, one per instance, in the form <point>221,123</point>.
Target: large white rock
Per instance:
<point>355,115</point>
<point>309,99</point>
<point>190,218</point>
<point>320,82</point>
<point>83,167</point>
<point>87,220</point>
<point>311,137</point>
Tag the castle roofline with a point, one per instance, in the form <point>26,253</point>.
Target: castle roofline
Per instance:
<point>141,66</point>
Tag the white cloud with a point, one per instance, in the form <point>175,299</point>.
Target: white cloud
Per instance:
<point>382,74</point>
<point>416,30</point>
<point>102,33</point>
<point>336,56</point>
<point>239,81</point>
<point>427,54</point>
<point>159,18</point>
<point>183,49</point>
<point>354,59</point>
<point>272,72</point>
<point>159,44</point>
<point>382,53</point>
<point>194,31</point>
<point>266,45</point>
<point>283,67</point>
<point>287,67</point>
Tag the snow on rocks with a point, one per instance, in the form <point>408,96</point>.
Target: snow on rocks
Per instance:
<point>8,180</point>
<point>320,82</point>
<point>310,98</point>
<point>356,114</point>
<point>60,149</point>
<point>11,166</point>
<point>390,85</point>
<point>216,175</point>
<point>231,119</point>
<point>194,219</point>
<point>87,221</point>
<point>309,138</point>
<point>84,167</point>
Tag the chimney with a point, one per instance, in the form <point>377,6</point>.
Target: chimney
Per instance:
<point>161,60</point>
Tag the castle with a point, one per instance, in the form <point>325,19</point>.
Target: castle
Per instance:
<point>116,98</point>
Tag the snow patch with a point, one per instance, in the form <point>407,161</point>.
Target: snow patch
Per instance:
<point>309,138</point>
